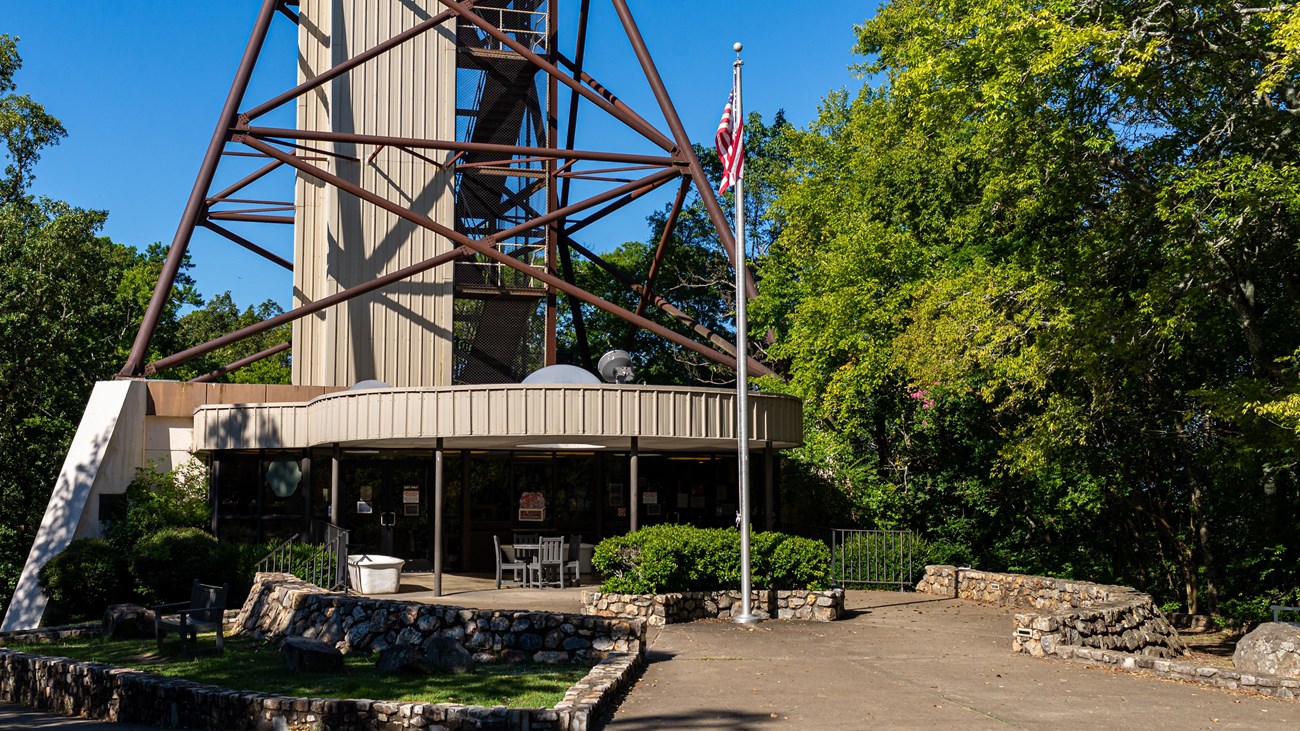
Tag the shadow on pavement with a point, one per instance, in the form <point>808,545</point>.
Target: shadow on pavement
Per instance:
<point>702,718</point>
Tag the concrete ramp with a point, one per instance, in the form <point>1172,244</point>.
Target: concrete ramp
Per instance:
<point>102,458</point>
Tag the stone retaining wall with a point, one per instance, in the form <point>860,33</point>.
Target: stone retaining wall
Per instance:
<point>688,606</point>
<point>280,605</point>
<point>1070,613</point>
<point>93,690</point>
<point>1270,685</point>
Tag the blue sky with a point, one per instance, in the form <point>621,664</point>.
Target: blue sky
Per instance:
<point>139,85</point>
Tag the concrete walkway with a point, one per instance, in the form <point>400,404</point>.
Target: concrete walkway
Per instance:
<point>907,661</point>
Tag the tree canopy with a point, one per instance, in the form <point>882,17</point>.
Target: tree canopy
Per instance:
<point>71,301</point>
<point>1037,282</point>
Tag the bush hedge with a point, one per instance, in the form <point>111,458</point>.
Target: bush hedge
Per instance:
<point>89,572</point>
<point>668,558</point>
<point>166,563</point>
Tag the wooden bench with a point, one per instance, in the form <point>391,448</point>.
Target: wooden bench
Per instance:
<point>204,612</point>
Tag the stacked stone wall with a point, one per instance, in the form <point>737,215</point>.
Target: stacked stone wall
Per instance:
<point>281,605</point>
<point>689,606</point>
<point>93,690</point>
<point>1069,613</point>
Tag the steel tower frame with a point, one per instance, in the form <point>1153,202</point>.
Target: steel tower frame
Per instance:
<point>237,126</point>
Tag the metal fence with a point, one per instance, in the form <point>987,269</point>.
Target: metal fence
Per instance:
<point>872,557</point>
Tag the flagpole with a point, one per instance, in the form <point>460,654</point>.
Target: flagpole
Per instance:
<point>746,615</point>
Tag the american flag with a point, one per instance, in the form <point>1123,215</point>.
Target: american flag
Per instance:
<point>730,139</point>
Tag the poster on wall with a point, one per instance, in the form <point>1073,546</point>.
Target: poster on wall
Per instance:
<point>532,506</point>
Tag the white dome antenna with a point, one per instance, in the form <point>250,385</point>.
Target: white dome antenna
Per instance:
<point>616,367</point>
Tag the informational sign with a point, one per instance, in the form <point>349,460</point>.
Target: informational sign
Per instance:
<point>410,495</point>
<point>650,497</point>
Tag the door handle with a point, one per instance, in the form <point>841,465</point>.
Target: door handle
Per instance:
<point>388,519</point>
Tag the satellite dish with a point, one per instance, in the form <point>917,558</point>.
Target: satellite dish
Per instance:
<point>616,367</point>
<point>367,384</point>
<point>560,374</point>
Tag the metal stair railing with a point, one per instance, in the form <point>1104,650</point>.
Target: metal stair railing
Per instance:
<point>280,559</point>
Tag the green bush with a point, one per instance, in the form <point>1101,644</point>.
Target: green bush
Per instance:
<point>158,500</point>
<point>667,558</point>
<point>1247,611</point>
<point>166,563</point>
<point>86,577</point>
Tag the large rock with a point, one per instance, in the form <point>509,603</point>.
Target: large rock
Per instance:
<point>306,655</point>
<point>125,621</point>
<point>402,659</point>
<point>1272,649</point>
<point>449,657</point>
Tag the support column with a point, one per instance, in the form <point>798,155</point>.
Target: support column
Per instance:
<point>336,507</point>
<point>634,495</point>
<point>769,477</point>
<point>214,493</point>
<point>437,519</point>
<point>464,509</point>
<point>305,486</point>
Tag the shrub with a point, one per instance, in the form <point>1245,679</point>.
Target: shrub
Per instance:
<point>794,561</point>
<point>166,564</point>
<point>158,500</point>
<point>86,577</point>
<point>685,558</point>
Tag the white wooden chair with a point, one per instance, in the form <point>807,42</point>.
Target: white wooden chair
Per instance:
<point>550,555</point>
<point>504,563</point>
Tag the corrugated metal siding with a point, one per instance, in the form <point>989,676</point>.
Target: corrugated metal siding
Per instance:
<point>401,334</point>
<point>558,413</point>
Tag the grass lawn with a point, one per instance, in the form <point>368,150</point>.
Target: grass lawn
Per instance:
<point>256,666</point>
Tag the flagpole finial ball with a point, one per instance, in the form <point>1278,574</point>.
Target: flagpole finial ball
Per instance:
<point>738,46</point>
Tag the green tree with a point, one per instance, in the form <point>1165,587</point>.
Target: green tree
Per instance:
<point>695,274</point>
<point>1034,279</point>
<point>71,301</point>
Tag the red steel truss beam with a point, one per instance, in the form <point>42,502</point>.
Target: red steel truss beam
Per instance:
<point>669,226</point>
<point>303,311</point>
<point>246,181</point>
<point>487,249</point>
<point>236,238</point>
<point>619,111</point>
<point>480,147</point>
<point>223,370</point>
<point>345,66</point>
<point>683,140</point>
<point>198,194</point>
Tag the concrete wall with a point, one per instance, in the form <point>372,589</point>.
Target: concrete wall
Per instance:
<point>126,425</point>
<point>402,333</point>
<point>104,454</point>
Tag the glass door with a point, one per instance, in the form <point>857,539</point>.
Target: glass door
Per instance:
<point>386,505</point>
